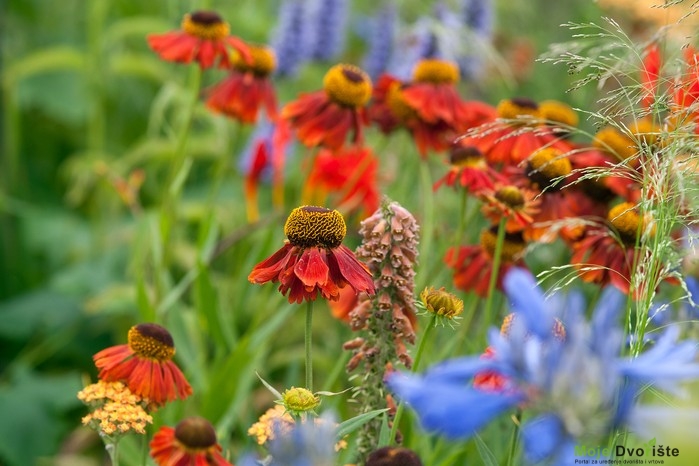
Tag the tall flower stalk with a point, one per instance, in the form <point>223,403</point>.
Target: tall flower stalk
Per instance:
<point>386,320</point>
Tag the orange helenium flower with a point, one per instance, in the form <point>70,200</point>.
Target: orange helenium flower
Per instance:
<point>518,134</point>
<point>348,173</point>
<point>145,365</point>
<point>247,87</point>
<point>191,443</point>
<point>203,38</point>
<point>313,259</point>
<point>473,264</point>
<point>468,169</point>
<point>326,117</point>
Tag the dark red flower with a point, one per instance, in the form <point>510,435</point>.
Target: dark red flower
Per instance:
<point>203,38</point>
<point>469,169</point>
<point>313,259</point>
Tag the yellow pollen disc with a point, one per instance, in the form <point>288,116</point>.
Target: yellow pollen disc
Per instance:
<point>347,85</point>
<point>298,399</point>
<point>395,101</point>
<point>645,130</point>
<point>512,247</point>
<point>624,217</point>
<point>205,25</point>
<point>558,112</point>
<point>441,302</point>
<point>511,196</point>
<point>311,226</point>
<point>466,157</point>
<point>513,108</point>
<point>151,341</point>
<point>614,142</point>
<point>549,163</point>
<point>264,61</point>
<point>436,72</point>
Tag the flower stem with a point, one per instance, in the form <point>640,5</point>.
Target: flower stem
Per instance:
<point>426,228</point>
<point>112,447</point>
<point>515,437</point>
<point>497,256</point>
<point>416,363</point>
<point>308,345</point>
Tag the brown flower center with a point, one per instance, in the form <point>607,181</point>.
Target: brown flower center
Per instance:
<point>196,433</point>
<point>512,247</point>
<point>263,61</point>
<point>347,85</point>
<point>546,166</point>
<point>511,196</point>
<point>207,25</point>
<point>436,72</point>
<point>311,226</point>
<point>518,107</point>
<point>151,341</point>
<point>466,156</point>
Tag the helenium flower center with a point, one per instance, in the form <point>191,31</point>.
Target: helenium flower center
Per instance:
<point>205,25</point>
<point>311,226</point>
<point>151,341</point>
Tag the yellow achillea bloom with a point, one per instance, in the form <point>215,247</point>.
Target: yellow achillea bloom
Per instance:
<point>116,410</point>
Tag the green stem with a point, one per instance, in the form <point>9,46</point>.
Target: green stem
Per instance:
<point>112,447</point>
<point>416,363</point>
<point>515,437</point>
<point>181,161</point>
<point>308,345</point>
<point>427,227</point>
<point>497,256</point>
<point>462,218</point>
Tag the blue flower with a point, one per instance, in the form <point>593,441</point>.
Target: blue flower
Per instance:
<point>380,39</point>
<point>291,40</point>
<point>309,442</point>
<point>328,28</point>
<point>577,388</point>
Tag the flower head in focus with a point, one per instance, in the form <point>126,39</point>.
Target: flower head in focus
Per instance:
<point>313,259</point>
<point>145,365</point>
<point>204,38</point>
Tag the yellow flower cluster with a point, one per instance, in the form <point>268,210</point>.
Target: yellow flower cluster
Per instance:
<point>116,410</point>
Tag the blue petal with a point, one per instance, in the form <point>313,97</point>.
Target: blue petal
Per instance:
<point>454,410</point>
<point>527,299</point>
<point>541,437</point>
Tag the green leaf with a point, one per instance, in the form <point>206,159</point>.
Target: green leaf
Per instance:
<point>352,424</point>
<point>58,58</point>
<point>486,454</point>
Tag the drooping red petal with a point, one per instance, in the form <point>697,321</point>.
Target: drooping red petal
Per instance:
<point>354,272</point>
<point>311,269</point>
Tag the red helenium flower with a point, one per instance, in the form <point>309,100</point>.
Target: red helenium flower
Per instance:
<point>313,260</point>
<point>203,38</point>
<point>145,365</point>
